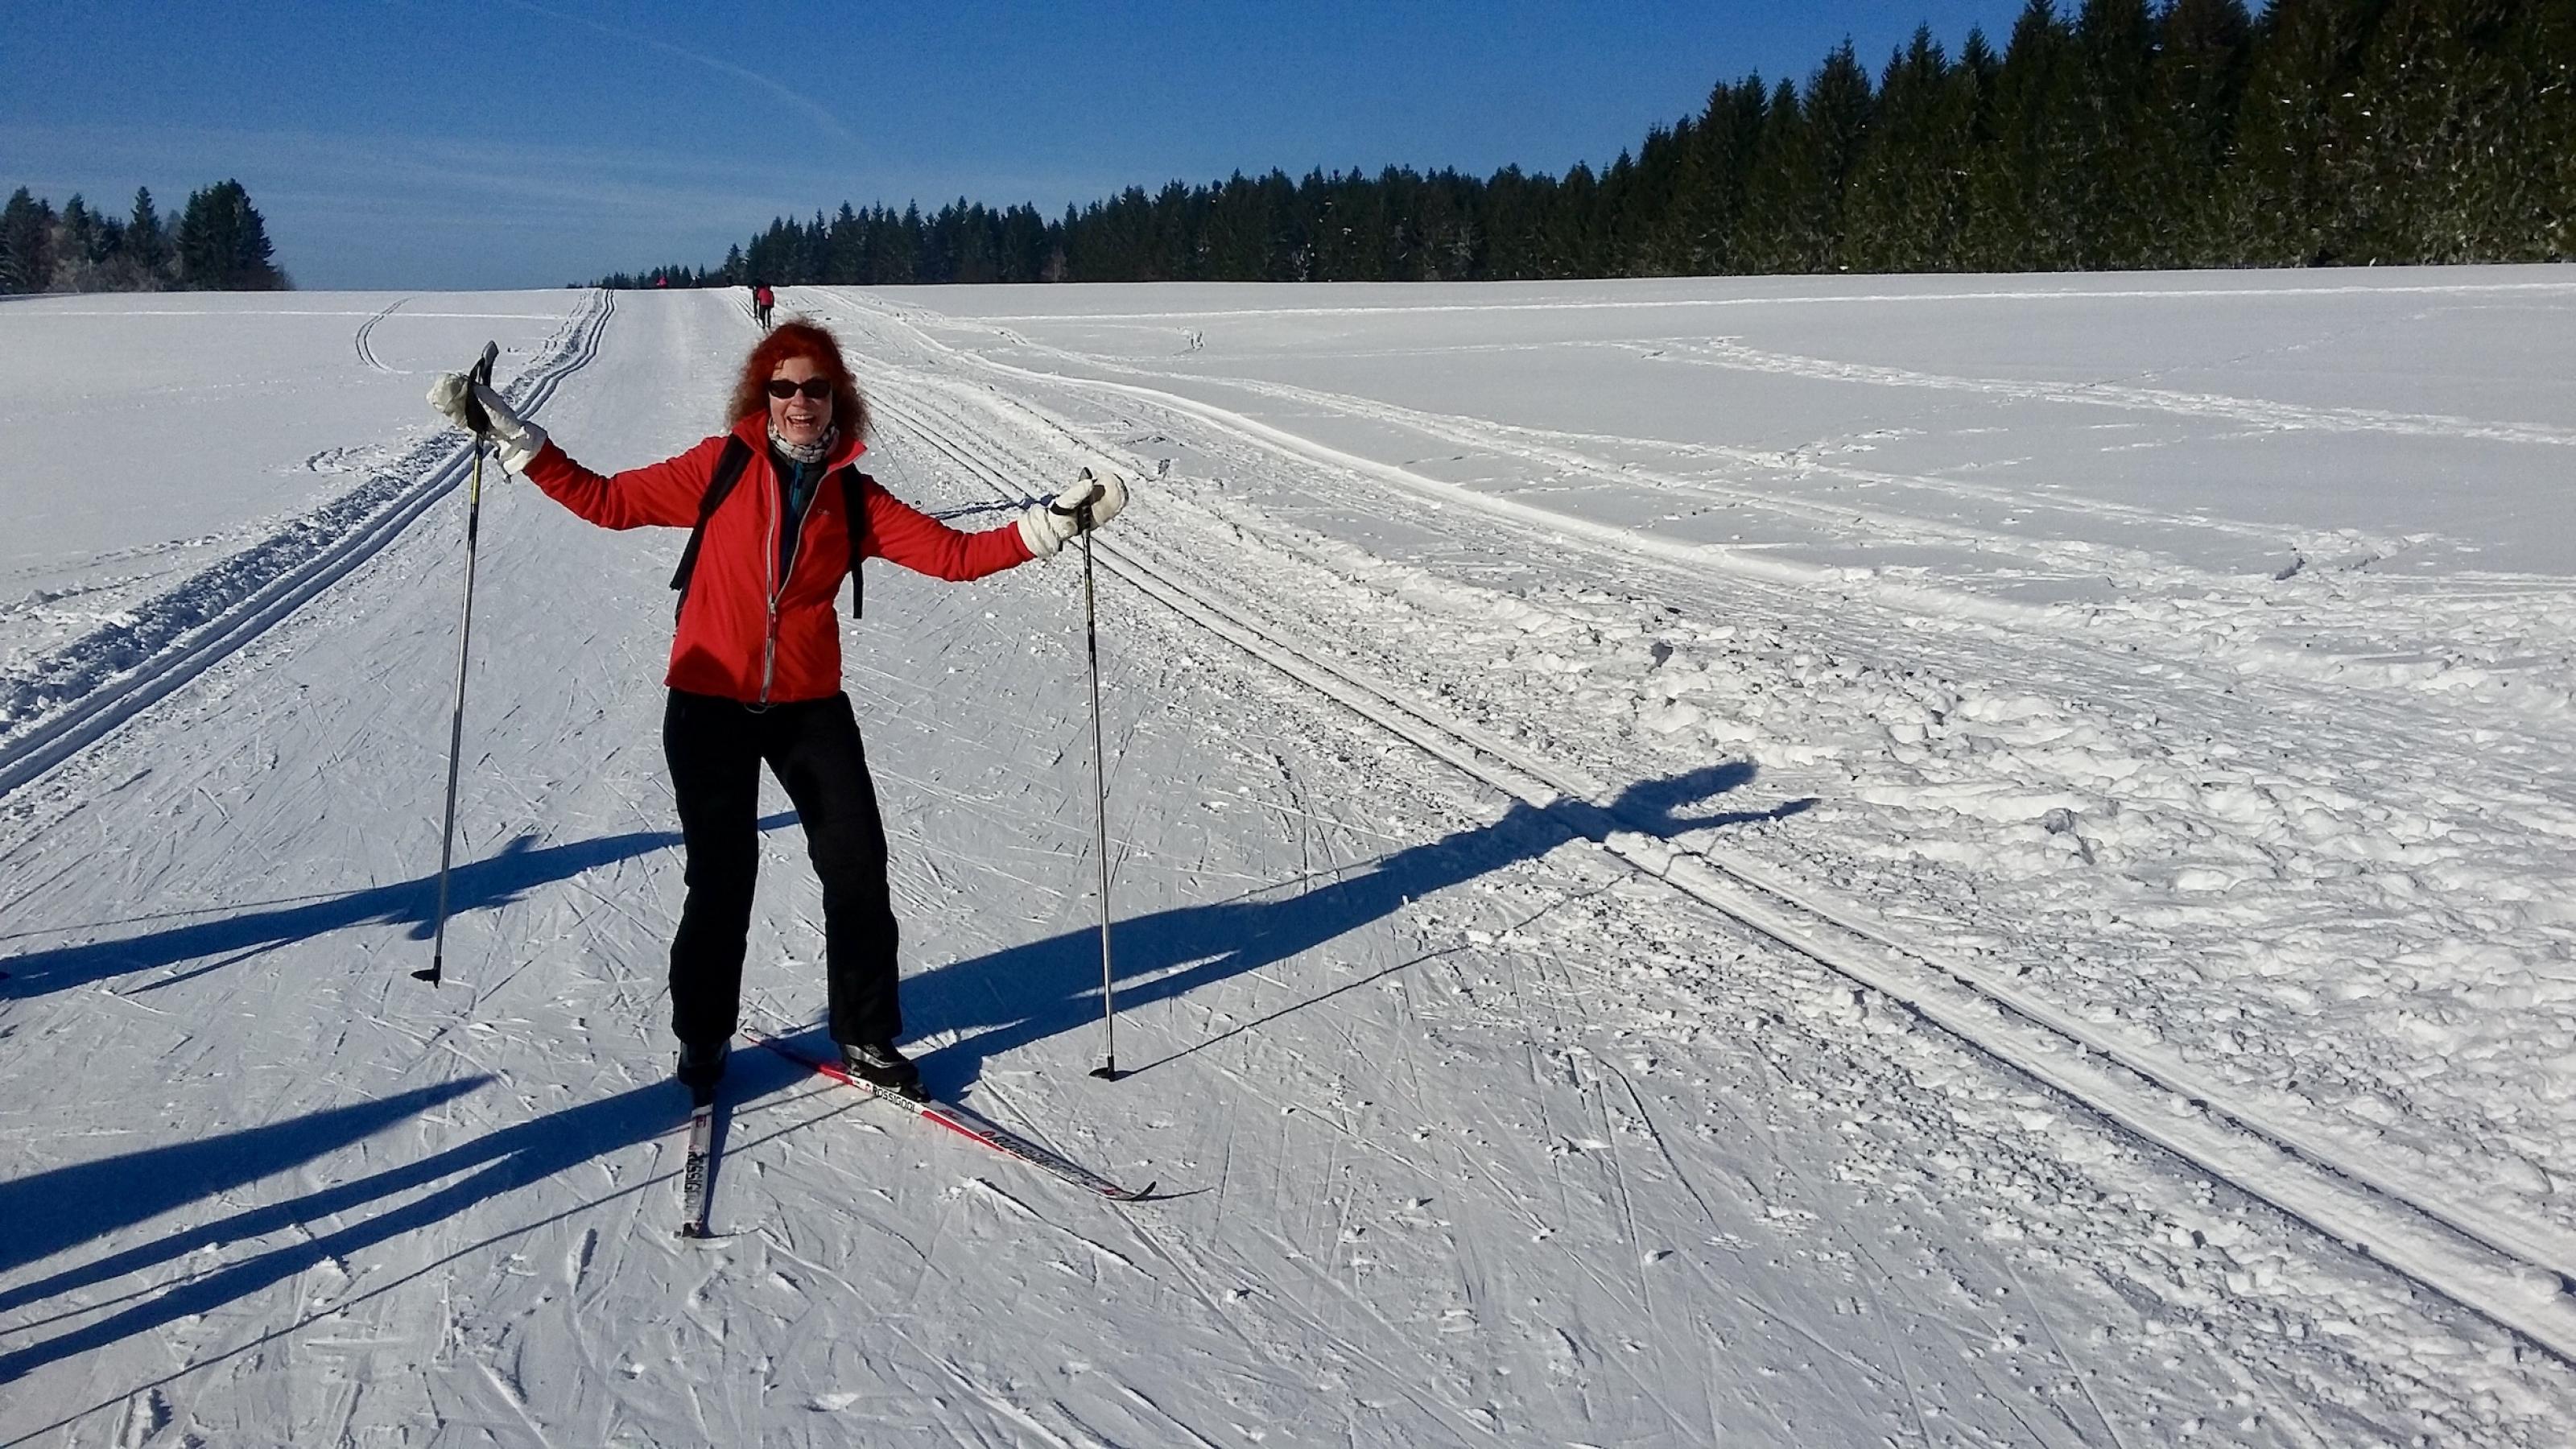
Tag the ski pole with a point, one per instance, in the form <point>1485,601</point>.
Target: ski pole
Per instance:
<point>1108,1069</point>
<point>480,375</point>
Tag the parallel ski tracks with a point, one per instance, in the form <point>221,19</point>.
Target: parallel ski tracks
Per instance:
<point>97,683</point>
<point>366,333</point>
<point>2513,1273</point>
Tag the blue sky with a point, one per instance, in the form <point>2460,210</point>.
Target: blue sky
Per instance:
<point>514,143</point>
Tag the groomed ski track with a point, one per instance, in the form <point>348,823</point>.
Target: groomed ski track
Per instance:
<point>80,692</point>
<point>2510,1271</point>
<point>1496,1139</point>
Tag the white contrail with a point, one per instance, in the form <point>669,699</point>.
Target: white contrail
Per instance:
<point>803,103</point>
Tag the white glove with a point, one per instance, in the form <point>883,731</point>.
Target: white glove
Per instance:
<point>1046,526</point>
<point>514,439</point>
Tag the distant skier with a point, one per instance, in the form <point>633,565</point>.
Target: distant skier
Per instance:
<point>755,672</point>
<point>762,299</point>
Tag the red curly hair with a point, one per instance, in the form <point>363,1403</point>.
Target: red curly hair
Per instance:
<point>815,345</point>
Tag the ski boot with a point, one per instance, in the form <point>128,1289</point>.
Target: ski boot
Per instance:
<point>879,1065</point>
<point>702,1065</point>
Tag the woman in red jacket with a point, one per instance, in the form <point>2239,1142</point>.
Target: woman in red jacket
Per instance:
<point>756,663</point>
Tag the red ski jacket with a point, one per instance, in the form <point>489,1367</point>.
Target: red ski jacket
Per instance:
<point>745,633</point>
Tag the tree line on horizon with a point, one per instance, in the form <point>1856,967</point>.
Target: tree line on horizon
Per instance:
<point>217,243</point>
<point>2186,133</point>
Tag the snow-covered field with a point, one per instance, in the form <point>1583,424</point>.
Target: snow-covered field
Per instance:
<point>149,435</point>
<point>1770,861</point>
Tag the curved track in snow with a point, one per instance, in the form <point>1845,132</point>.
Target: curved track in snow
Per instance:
<point>363,341</point>
<point>72,697</point>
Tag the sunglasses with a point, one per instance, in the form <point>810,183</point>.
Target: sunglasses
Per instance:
<point>817,388</point>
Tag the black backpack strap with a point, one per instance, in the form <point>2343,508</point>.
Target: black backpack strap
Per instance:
<point>854,502</point>
<point>729,468</point>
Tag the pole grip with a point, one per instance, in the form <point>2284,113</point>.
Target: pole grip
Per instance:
<point>480,375</point>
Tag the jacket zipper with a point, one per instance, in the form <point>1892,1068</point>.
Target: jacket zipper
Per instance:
<point>777,584</point>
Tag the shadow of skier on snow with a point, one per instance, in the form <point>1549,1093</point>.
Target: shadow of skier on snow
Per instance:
<point>482,885</point>
<point>1161,956</point>
<point>1011,998</point>
<point>49,1212</point>
<point>72,1205</point>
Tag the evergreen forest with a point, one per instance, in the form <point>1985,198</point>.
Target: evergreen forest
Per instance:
<point>217,243</point>
<point>2113,134</point>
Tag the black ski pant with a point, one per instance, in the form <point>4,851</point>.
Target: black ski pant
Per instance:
<point>716,748</point>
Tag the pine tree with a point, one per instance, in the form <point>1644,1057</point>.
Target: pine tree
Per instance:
<point>814,250</point>
<point>1778,229</point>
<point>2547,41</point>
<point>2449,158</point>
<point>2111,185</point>
<point>1025,245</point>
<point>146,254</point>
<point>1459,244</point>
<point>1233,244</point>
<point>78,249</point>
<point>845,252</point>
<point>2549,47</point>
<point>223,244</point>
<point>1670,178</point>
<point>2291,197</point>
<point>2203,50</point>
<point>1901,213</point>
<point>1968,118</point>
<point>1510,211</point>
<point>1730,137</point>
<point>2021,209</point>
<point>1574,225</point>
<point>26,243</point>
<point>903,262</point>
<point>1839,109</point>
<point>1811,147</point>
<point>1622,226</point>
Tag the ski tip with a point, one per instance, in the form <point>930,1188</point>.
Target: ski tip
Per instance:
<point>1136,1194</point>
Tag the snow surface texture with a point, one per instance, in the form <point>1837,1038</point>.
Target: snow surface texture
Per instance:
<point>2181,659</point>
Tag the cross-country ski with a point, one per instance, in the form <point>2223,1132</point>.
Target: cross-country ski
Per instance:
<point>971,1125</point>
<point>698,1170</point>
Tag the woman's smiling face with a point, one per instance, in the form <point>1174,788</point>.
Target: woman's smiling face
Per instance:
<point>800,418</point>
